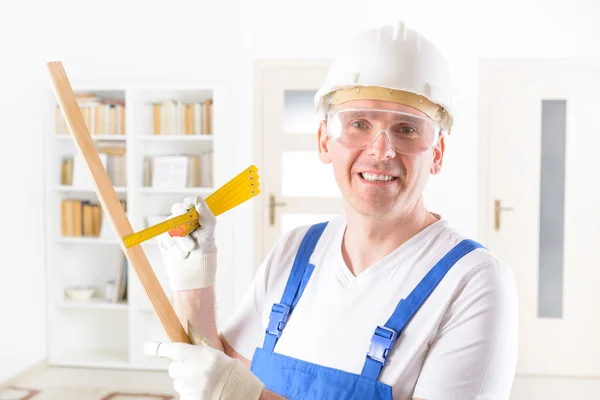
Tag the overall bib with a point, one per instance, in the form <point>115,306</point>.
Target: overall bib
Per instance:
<point>295,379</point>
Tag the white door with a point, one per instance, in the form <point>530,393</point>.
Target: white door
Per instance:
<point>296,187</point>
<point>539,125</point>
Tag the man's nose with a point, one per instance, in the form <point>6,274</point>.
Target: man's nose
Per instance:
<point>382,147</point>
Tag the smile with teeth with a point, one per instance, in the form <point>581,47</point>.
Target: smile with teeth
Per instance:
<point>376,178</point>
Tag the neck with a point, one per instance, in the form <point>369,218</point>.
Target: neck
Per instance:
<point>368,239</point>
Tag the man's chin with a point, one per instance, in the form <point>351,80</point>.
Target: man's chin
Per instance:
<point>373,207</point>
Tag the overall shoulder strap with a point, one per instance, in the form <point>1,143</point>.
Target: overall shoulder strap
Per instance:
<point>384,337</point>
<point>297,281</point>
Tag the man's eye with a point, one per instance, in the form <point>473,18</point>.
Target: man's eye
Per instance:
<point>358,124</point>
<point>404,129</point>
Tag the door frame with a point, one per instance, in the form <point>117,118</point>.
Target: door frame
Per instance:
<point>261,70</point>
<point>484,65</point>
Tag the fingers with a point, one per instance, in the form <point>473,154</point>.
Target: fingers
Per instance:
<point>172,350</point>
<point>186,243</point>
<point>189,242</point>
<point>169,245</point>
<point>185,391</point>
<point>189,202</point>
<point>178,209</point>
<point>151,348</point>
<point>183,370</point>
<point>204,212</point>
<point>165,241</point>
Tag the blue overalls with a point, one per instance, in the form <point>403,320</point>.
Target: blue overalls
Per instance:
<point>300,380</point>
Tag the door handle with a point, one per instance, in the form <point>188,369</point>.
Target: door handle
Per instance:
<point>497,208</point>
<point>272,204</point>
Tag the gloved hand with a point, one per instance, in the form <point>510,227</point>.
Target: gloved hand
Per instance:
<point>191,261</point>
<point>201,372</point>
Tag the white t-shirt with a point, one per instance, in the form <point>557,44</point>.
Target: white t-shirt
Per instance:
<point>461,344</point>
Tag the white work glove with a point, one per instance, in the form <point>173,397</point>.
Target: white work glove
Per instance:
<point>201,373</point>
<point>191,261</point>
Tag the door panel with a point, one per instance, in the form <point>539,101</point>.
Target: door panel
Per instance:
<point>538,118</point>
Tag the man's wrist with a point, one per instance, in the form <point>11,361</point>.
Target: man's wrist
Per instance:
<point>268,395</point>
<point>240,383</point>
<point>193,272</point>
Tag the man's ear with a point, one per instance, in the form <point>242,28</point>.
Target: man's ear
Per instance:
<point>438,155</point>
<point>324,143</point>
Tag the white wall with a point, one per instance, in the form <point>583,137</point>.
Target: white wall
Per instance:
<point>177,41</point>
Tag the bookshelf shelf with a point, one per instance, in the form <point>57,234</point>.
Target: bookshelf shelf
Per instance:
<point>82,248</point>
<point>116,138</point>
<point>67,188</point>
<point>195,190</point>
<point>93,303</point>
<point>175,138</point>
<point>85,240</point>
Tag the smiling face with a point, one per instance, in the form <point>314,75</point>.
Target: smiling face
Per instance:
<point>378,180</point>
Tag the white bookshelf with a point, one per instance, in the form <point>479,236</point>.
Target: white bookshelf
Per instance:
<point>98,333</point>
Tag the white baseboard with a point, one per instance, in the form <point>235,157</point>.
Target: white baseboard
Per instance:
<point>32,370</point>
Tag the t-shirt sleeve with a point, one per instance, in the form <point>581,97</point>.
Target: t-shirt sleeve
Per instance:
<point>474,353</point>
<point>245,330</point>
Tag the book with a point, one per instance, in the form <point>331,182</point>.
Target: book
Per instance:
<point>169,172</point>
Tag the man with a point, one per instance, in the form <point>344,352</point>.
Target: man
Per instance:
<point>385,302</point>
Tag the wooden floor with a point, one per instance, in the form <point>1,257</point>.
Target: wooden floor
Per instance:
<point>98,384</point>
<point>91,384</point>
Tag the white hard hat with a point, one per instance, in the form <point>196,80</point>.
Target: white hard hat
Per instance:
<point>390,63</point>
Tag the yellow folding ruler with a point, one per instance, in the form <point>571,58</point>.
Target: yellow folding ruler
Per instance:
<point>241,188</point>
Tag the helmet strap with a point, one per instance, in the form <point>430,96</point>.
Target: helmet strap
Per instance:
<point>423,104</point>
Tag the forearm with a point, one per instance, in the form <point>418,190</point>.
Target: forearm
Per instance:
<point>198,306</point>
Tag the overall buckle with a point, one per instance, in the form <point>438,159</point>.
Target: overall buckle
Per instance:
<point>278,318</point>
<point>382,343</point>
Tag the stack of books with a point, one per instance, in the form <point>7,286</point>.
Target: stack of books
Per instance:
<point>102,116</point>
<point>82,218</point>
<point>172,117</point>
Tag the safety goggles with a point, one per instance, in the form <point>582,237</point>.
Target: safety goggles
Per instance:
<point>358,128</point>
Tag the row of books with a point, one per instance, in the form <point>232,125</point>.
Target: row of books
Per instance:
<point>172,117</point>
<point>83,218</point>
<point>102,116</point>
<point>178,171</point>
<point>74,172</point>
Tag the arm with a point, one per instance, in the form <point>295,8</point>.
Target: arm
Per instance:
<point>198,307</point>
<point>195,301</point>
<point>474,352</point>
<point>191,267</point>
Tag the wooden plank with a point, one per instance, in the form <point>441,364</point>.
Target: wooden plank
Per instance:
<point>111,205</point>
